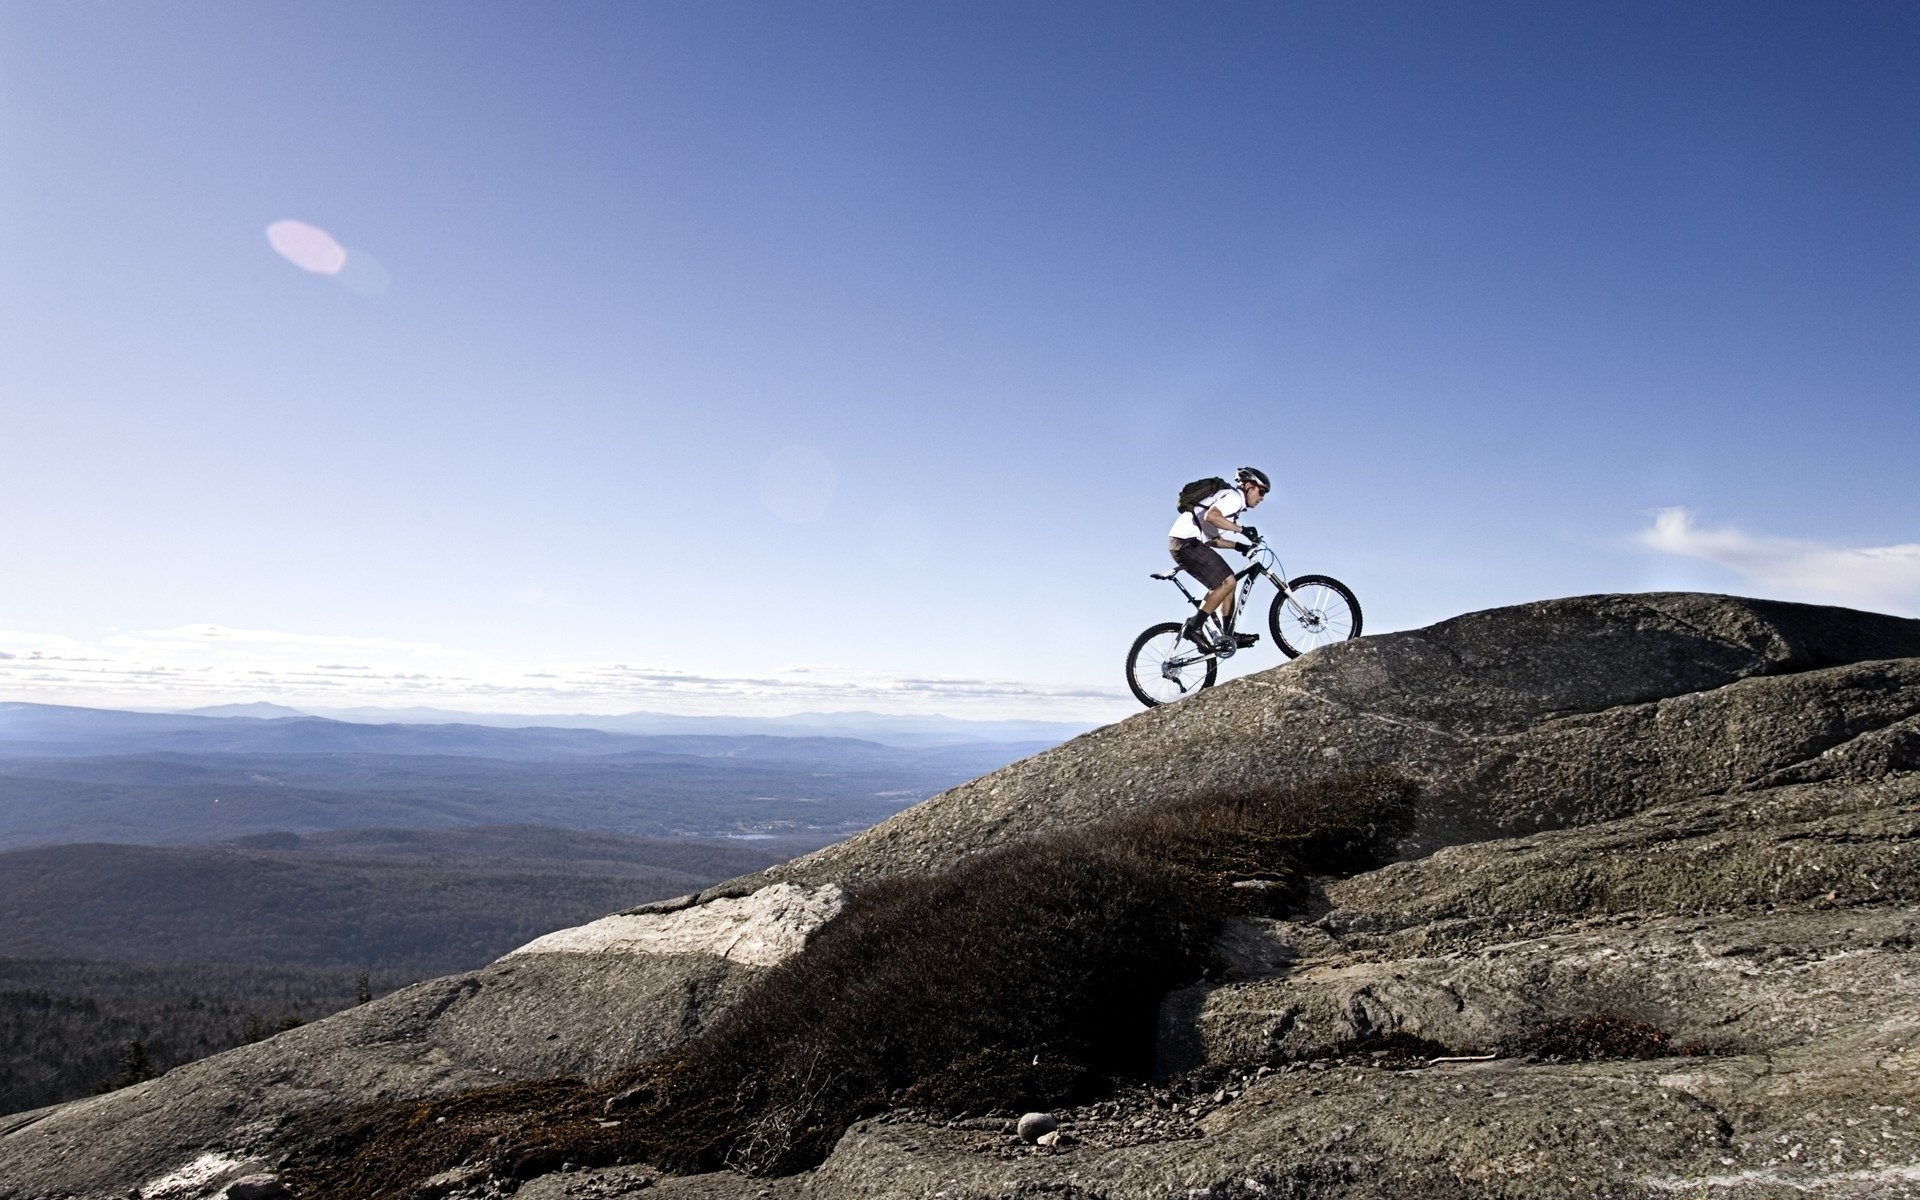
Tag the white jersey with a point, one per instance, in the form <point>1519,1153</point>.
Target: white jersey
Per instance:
<point>1228,501</point>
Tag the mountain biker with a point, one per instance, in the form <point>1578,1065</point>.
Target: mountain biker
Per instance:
<point>1193,540</point>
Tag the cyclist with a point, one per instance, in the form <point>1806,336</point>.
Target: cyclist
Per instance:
<point>1193,539</point>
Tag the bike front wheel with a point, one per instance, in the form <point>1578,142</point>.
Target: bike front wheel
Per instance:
<point>1318,611</point>
<point>1162,666</point>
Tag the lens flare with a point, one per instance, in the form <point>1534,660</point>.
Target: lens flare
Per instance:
<point>307,246</point>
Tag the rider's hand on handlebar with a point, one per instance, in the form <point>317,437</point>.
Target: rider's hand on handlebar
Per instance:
<point>1250,533</point>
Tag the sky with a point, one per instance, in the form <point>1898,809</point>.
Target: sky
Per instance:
<point>775,357</point>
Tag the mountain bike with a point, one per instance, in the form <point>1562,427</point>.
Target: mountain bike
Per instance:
<point>1309,612</point>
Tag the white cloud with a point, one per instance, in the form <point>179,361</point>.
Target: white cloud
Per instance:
<point>1886,578</point>
<point>201,636</point>
<point>207,664</point>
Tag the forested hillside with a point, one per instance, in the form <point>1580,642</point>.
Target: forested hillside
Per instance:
<point>422,901</point>
<point>120,962</point>
<point>71,1028</point>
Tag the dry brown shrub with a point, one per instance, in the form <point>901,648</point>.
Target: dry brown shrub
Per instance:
<point>1600,1036</point>
<point>1029,975</point>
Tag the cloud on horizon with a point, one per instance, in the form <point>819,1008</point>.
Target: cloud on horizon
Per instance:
<point>1886,578</point>
<point>195,665</point>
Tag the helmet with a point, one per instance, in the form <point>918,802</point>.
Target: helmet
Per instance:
<point>1254,476</point>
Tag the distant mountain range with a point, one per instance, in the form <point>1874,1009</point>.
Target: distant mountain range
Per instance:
<point>71,774</point>
<point>887,729</point>
<point>30,730</point>
<point>259,710</point>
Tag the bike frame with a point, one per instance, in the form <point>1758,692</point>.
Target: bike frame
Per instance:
<point>1263,562</point>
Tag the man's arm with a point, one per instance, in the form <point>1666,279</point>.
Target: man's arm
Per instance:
<point>1219,520</point>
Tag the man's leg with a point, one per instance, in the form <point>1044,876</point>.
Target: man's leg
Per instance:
<point>1195,630</point>
<point>1205,565</point>
<point>1220,600</point>
<point>1240,640</point>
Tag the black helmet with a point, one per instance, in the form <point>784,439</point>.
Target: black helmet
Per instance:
<point>1254,476</point>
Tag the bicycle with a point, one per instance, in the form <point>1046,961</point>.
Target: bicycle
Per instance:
<point>1310,612</point>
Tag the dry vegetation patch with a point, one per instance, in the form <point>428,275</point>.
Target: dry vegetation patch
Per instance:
<point>1600,1036</point>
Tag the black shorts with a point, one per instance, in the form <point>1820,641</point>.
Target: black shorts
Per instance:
<point>1201,561</point>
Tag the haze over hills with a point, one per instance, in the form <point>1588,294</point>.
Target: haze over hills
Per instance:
<point>72,774</point>
<point>257,710</point>
<point>886,728</point>
<point>64,730</point>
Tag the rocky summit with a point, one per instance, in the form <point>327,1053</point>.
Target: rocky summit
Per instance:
<point>1648,930</point>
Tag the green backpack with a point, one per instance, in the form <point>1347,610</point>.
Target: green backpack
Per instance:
<point>1192,494</point>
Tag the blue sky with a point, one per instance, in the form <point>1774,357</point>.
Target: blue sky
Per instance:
<point>766,357</point>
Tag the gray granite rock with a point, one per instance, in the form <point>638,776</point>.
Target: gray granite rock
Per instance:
<point>525,1017</point>
<point>1032,1126</point>
<point>1477,1130</point>
<point>1790,932</point>
<point>1772,934</point>
<point>1513,720</point>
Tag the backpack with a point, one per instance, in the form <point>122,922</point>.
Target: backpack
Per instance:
<point>1192,494</point>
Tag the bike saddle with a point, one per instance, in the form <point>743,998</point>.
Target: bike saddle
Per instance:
<point>1158,575</point>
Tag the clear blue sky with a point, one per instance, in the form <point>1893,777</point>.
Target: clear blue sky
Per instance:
<point>1492,290</point>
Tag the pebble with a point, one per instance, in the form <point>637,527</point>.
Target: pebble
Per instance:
<point>1035,1125</point>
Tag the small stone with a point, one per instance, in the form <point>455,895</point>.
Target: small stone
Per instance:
<point>454,1179</point>
<point>255,1187</point>
<point>1034,1125</point>
<point>628,1101</point>
<point>1059,1139</point>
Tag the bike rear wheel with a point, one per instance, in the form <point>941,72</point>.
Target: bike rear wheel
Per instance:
<point>1162,666</point>
<point>1321,611</point>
